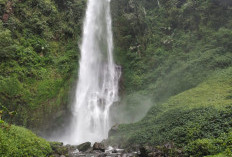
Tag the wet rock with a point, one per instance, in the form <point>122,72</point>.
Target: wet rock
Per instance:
<point>89,150</point>
<point>134,154</point>
<point>58,148</point>
<point>169,145</point>
<point>160,151</point>
<point>100,155</point>
<point>99,146</point>
<point>120,151</point>
<point>84,146</point>
<point>62,150</point>
<point>111,152</point>
<point>144,151</point>
<point>71,147</point>
<point>132,148</point>
<point>55,145</point>
<point>156,154</point>
<point>73,153</point>
<point>55,155</point>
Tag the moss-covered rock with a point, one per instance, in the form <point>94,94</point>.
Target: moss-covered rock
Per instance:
<point>84,146</point>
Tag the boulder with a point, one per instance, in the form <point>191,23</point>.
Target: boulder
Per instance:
<point>63,150</point>
<point>59,148</point>
<point>120,151</point>
<point>99,146</point>
<point>145,151</point>
<point>84,146</point>
<point>55,145</point>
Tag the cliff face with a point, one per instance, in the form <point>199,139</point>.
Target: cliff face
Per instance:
<point>38,57</point>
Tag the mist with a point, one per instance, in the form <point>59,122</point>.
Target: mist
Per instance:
<point>132,108</point>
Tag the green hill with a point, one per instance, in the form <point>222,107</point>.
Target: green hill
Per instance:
<point>203,112</point>
<point>178,54</point>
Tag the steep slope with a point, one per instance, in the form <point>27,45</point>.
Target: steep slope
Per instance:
<point>177,53</point>
<point>201,112</point>
<point>38,57</point>
<point>170,47</point>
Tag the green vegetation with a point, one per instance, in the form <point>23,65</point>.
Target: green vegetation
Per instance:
<point>38,62</point>
<point>17,141</point>
<point>171,48</point>
<point>198,119</point>
<point>178,53</point>
<point>38,57</point>
<point>175,55</point>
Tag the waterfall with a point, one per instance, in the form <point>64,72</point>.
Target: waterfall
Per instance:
<point>97,87</point>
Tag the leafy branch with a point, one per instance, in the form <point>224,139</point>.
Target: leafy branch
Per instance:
<point>5,110</point>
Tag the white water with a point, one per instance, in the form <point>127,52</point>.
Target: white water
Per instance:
<point>97,87</point>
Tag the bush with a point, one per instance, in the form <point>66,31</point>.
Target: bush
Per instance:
<point>203,147</point>
<point>7,47</point>
<point>17,141</point>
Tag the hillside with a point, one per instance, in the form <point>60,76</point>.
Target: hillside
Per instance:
<point>17,141</point>
<point>178,54</point>
<point>38,58</point>
<point>172,47</point>
<point>176,82</point>
<point>200,113</point>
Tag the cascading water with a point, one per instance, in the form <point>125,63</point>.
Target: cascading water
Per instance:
<point>97,87</point>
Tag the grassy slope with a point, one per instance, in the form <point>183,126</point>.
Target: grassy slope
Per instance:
<point>176,55</point>
<point>17,141</point>
<point>201,112</point>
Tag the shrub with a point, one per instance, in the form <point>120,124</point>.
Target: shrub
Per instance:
<point>203,147</point>
<point>17,141</point>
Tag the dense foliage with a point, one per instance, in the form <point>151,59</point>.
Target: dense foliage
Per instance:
<point>17,141</point>
<point>173,46</point>
<point>178,53</point>
<point>201,114</point>
<point>38,56</point>
<point>175,55</point>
